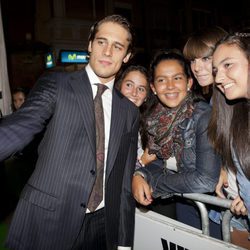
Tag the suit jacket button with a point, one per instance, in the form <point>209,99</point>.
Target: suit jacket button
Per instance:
<point>83,205</point>
<point>92,171</point>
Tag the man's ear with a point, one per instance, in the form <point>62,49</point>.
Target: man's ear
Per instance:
<point>90,47</point>
<point>126,58</point>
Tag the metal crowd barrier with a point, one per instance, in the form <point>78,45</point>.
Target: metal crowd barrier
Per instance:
<point>200,199</point>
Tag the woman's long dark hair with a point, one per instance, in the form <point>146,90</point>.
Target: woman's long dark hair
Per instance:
<point>229,122</point>
<point>144,107</point>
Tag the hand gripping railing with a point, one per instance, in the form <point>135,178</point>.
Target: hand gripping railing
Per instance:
<point>200,199</point>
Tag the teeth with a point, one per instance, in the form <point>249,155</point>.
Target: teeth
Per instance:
<point>228,85</point>
<point>132,100</point>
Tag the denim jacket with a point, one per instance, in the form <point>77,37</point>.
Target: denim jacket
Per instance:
<point>243,182</point>
<point>239,222</point>
<point>199,166</point>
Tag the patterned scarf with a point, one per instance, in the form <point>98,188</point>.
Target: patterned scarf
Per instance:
<point>164,135</point>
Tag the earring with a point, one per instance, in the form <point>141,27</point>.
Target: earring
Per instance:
<point>155,93</point>
<point>188,89</point>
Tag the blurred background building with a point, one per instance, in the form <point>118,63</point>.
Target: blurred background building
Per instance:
<point>35,32</point>
<point>32,28</point>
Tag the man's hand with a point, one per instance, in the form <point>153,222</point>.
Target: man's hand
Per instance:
<point>141,190</point>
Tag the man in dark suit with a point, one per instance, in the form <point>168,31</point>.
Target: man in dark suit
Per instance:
<point>52,213</point>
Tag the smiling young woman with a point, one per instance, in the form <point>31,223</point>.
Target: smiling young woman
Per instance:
<point>134,84</point>
<point>198,51</point>
<point>229,129</point>
<point>176,131</point>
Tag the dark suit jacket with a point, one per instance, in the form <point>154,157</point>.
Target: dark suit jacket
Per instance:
<point>52,207</point>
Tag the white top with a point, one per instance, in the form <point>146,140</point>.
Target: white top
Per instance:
<point>232,189</point>
<point>140,151</point>
<point>171,164</point>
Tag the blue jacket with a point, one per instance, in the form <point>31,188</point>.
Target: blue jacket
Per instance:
<point>199,167</point>
<point>243,182</point>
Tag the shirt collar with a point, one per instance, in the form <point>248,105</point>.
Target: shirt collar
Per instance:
<point>93,78</point>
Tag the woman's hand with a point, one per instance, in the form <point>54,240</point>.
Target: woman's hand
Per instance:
<point>147,158</point>
<point>238,207</point>
<point>141,190</point>
<point>222,183</point>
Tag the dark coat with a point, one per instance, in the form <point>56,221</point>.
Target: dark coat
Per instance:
<point>52,206</point>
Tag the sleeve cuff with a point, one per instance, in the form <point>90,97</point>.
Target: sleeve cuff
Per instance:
<point>139,173</point>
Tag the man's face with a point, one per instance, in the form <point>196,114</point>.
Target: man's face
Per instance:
<point>18,99</point>
<point>108,50</point>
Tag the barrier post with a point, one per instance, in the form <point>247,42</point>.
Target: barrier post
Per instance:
<point>212,200</point>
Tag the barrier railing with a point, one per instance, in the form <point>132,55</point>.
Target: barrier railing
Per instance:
<point>200,199</point>
<point>159,232</point>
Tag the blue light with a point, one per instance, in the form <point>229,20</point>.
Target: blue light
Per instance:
<point>74,57</point>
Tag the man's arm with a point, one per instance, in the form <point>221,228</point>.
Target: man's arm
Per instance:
<point>19,128</point>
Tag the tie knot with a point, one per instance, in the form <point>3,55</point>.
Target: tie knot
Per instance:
<point>100,89</point>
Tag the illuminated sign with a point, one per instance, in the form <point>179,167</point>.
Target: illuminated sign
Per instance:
<point>49,60</point>
<point>74,56</point>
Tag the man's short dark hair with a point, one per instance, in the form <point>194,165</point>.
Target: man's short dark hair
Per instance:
<point>114,19</point>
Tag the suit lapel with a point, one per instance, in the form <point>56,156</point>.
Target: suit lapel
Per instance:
<point>116,129</point>
<point>84,96</point>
